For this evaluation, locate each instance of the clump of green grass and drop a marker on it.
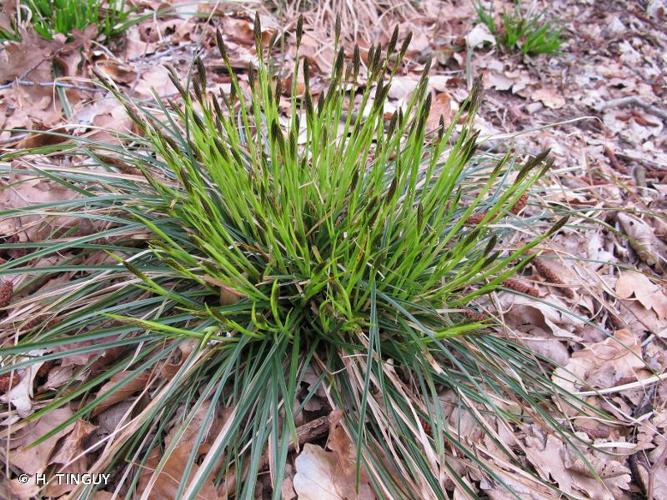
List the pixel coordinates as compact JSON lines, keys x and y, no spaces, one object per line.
{"x":50,"y":17}
{"x":531,"y":34}
{"x":329,"y":240}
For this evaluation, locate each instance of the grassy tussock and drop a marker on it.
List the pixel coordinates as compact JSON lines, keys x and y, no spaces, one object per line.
{"x":331,"y":240}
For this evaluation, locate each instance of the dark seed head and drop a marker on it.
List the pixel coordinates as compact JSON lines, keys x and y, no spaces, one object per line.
{"x":393,"y":41}
{"x":405,"y":44}
{"x":299,"y":30}
{"x":257,"y":28}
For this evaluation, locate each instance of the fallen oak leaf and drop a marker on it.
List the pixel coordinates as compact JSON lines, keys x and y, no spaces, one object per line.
{"x":122,"y":393}
{"x":170,"y":477}
{"x":603,"y":364}
{"x":20,"y":395}
{"x":41,"y":137}
{"x":549,"y":96}
{"x":646,"y":292}
{"x":331,"y":474}
{"x":33,"y":460}
{"x":73,"y":443}
{"x":440,"y":112}
{"x":641,"y":238}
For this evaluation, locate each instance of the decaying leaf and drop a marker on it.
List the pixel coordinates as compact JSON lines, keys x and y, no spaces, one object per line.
{"x":604,"y":364}
{"x":125,"y":391}
{"x":35,"y":459}
{"x":20,"y":395}
{"x":480,"y":35}
{"x":167,"y":482}
{"x":641,"y":238}
{"x":330,"y":475}
{"x":574,"y":473}
{"x":647,"y":293}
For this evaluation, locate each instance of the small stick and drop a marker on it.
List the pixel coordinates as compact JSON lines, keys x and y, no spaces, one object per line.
{"x":633,"y":99}
{"x":625,"y":387}
{"x":29,"y":83}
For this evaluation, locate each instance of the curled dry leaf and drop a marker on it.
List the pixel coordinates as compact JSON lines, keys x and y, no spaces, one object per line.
{"x":642,"y":239}
{"x":440,"y":109}
{"x":167,"y":482}
{"x":35,"y":459}
{"x":528,"y":315}
{"x":556,"y":460}
{"x":603,"y":364}
{"x":330,"y":475}
{"x":117,"y":71}
{"x":20,"y":395}
{"x":647,"y":293}
{"x":25,"y":191}
{"x":122,"y":393}
{"x":480,"y":35}
{"x":549,"y":96}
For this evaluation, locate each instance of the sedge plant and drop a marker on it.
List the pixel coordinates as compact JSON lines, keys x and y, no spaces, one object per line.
{"x":51,"y":17}
{"x":531,"y":34}
{"x":328,"y":241}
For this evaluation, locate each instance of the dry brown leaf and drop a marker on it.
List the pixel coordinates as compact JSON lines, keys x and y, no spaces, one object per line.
{"x":641,"y":237}
{"x":318,"y":477}
{"x":330,"y":475}
{"x":20,"y":395}
{"x":9,"y":381}
{"x":102,"y":495}
{"x":615,"y":476}
{"x":73,"y":443}
{"x":522,"y":487}
{"x":555,"y":460}
{"x":603,"y":364}
{"x":171,"y":476}
{"x":402,"y":86}
{"x":126,"y":391}
{"x":480,"y":35}
{"x":44,"y":138}
{"x":441,"y":108}
{"x":25,"y":191}
{"x":155,"y":79}
{"x":29,"y":57}
{"x":23,"y":491}
{"x":7,"y":15}
{"x":647,"y":293}
{"x":528,"y":315}
{"x":59,"y":376}
{"x":546,"y":456}
{"x":35,"y":459}
{"x":287,"y":487}
{"x":117,"y":71}
{"x":549,"y":96}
